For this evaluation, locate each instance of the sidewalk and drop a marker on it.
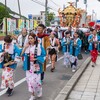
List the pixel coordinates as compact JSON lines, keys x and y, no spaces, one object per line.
{"x":88,"y":87}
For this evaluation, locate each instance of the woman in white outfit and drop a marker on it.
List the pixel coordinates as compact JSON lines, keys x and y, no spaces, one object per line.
{"x":34,"y":57}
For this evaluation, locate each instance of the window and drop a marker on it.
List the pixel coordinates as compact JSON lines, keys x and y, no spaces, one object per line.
{"x":34,"y":18}
{"x":39,"y":18}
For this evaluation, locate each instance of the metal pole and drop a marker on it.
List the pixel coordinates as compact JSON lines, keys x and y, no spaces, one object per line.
{"x":19,"y":8}
{"x":76,"y":3}
{"x":6,"y":16}
{"x":46,"y":9}
{"x":63,"y":6}
{"x":86,"y":14}
{"x":92,"y":15}
{"x":96,"y":18}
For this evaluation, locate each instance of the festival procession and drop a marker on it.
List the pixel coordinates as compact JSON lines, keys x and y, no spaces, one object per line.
{"x":49,"y":50}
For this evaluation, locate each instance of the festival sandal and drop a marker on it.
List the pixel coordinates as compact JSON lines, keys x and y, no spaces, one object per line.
{"x":10,"y":92}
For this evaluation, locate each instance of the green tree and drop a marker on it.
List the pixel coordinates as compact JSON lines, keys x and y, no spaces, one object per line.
{"x":3,"y":13}
{"x":50,"y":17}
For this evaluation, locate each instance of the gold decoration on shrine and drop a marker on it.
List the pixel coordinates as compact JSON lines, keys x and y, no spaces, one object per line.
{"x":70,"y":16}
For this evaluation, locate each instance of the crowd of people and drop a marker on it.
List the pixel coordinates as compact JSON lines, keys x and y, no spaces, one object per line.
{"x":36,"y":47}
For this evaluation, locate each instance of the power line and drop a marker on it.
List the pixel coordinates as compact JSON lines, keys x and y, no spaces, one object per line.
{"x":55,"y":3}
{"x":38,"y":2}
{"x":50,"y":7}
{"x":42,"y":4}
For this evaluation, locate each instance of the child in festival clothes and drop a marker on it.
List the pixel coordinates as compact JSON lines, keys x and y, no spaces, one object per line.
{"x":34,"y":57}
{"x":66,"y":43}
{"x":75,"y":51}
{"x":9,"y":52}
{"x":94,"y":41}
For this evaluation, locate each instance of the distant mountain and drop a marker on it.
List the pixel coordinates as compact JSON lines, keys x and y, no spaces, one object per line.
{"x":12,"y":12}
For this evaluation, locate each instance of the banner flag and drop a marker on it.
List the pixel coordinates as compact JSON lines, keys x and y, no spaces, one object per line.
{"x":31,"y":24}
{"x":35,"y":23}
{"x":27,"y":24}
{"x":21,"y":23}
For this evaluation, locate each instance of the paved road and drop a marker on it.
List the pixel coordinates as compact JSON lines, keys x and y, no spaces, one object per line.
{"x":53,"y":82}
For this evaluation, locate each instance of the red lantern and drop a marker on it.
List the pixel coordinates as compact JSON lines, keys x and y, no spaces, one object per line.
{"x":91,"y":24}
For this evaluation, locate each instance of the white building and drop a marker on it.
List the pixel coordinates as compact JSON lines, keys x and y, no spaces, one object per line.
{"x":40,"y":18}
{"x":43,"y":17}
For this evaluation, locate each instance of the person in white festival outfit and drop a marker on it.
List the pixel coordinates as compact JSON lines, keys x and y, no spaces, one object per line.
{"x":34,"y":57}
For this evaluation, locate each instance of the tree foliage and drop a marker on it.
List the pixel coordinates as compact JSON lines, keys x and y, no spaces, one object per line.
{"x":50,"y":17}
{"x":3,"y":13}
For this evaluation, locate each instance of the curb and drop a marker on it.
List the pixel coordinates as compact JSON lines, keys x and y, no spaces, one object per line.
{"x":64,"y":93}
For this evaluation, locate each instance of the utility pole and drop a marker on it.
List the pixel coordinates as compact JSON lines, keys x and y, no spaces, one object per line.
{"x":19,"y":8}
{"x":92,"y":15}
{"x":85,"y":2}
{"x":46,"y":9}
{"x":63,"y":6}
{"x":6,"y":16}
{"x":76,"y":3}
{"x":86,"y":13}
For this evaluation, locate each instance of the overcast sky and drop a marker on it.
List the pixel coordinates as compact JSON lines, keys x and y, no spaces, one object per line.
{"x":29,"y":7}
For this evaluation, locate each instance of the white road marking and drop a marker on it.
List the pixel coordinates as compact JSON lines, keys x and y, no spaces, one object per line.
{"x":23,"y":80}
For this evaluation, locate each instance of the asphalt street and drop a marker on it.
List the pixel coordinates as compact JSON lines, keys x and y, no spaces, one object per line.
{"x":52,"y":85}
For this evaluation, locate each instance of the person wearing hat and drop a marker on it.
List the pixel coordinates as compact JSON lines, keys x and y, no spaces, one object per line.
{"x":66,"y":43}
{"x":94,"y":41}
{"x":75,"y":50}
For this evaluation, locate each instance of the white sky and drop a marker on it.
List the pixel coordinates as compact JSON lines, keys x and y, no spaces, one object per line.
{"x":29,"y":7}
